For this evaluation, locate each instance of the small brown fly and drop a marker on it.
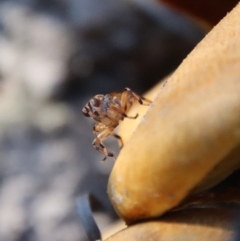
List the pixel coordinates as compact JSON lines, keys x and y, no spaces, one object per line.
{"x":108,"y":110}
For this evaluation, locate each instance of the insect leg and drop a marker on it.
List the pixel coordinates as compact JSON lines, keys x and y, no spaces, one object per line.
{"x":119,"y":138}
{"x":139,"y":98}
{"x":102,"y":149}
{"x":130,"y":117}
{"x":99,"y":146}
{"x":119,"y":111}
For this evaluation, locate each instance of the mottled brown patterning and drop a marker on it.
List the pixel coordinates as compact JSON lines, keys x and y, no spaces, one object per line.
{"x":108,"y":110}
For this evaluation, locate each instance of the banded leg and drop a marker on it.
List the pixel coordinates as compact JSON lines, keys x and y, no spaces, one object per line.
{"x":119,"y":111}
{"x":139,"y":98}
{"x":102,"y":149}
{"x":99,"y":146}
{"x":119,"y":138}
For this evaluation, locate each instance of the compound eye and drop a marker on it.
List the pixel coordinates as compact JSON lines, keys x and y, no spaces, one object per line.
{"x":95,"y":102}
{"x":85,"y":111}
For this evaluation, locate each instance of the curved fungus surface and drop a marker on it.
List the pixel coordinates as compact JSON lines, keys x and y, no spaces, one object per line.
{"x":192,"y":126}
{"x":215,"y":224}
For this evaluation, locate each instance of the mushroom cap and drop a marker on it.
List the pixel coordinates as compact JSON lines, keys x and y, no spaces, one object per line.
{"x":189,"y":139}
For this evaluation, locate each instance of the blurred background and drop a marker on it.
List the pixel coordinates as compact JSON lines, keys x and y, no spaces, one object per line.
{"x":54,"y":56}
